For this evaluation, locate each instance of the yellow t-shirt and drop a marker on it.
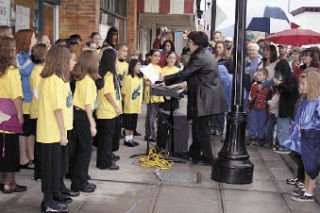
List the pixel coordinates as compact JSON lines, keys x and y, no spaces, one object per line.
{"x":52,"y":96}
{"x":105,"y":109}
{"x":132,"y":88}
{"x":85,"y":93}
{"x":154,"y":99}
{"x":35,"y":78}
{"x":169,"y":71}
{"x":122,"y":70}
{"x":68,"y":116}
{"x":26,"y":108}
{"x":10,"y":85}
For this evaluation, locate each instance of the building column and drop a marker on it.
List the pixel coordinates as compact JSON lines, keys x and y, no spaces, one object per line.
{"x":132,"y":24}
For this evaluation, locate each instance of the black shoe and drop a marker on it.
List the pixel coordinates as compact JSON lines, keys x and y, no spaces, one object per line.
{"x":153,"y":139}
{"x":115,"y":157}
{"x":62,"y":199}
{"x":54,"y":207}
{"x":135,"y":143}
{"x":129,"y":143}
{"x":89,"y":188}
{"x":135,"y":133}
{"x":112,"y":167}
{"x":68,"y":175}
{"x":70,"y":193}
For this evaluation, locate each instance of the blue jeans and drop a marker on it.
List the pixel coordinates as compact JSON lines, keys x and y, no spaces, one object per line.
{"x":310,"y":151}
{"x":283,"y":129}
{"x":269,"y":131}
{"x":217,"y":122}
{"x":258,"y":119}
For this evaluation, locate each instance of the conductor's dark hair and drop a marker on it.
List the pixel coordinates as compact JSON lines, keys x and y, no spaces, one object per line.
{"x":199,"y":38}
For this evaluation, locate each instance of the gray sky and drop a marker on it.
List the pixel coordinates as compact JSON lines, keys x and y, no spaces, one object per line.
{"x":255,"y":7}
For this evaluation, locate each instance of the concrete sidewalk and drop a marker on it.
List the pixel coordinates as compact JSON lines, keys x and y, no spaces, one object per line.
{"x":117,"y":191}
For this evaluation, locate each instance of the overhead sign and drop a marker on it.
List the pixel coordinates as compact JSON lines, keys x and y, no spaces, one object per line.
{"x":4,"y":12}
{"x":22,"y":18}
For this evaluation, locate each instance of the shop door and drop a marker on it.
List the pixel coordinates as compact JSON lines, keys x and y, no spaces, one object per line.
{"x":50,"y":19}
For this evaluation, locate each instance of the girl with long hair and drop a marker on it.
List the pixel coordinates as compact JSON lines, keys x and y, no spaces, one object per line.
{"x":11,"y":117}
{"x":132,"y":90}
{"x":85,"y":74}
{"x":152,"y":101}
{"x":108,"y":111}
{"x":307,"y":120}
{"x":25,"y":40}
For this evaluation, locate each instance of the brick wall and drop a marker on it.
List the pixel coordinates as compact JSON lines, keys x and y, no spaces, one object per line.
{"x":132,"y":24}
{"x":79,"y":17}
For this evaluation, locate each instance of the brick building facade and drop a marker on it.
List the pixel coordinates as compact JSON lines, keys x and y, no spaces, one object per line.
{"x":61,"y":18}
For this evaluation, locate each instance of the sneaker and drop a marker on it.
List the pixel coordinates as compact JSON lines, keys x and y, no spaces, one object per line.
{"x":303,"y":198}
{"x":300,"y":184}
{"x":54,"y":207}
{"x":298,"y":192}
{"x":251,"y":141}
{"x":218,"y":133}
{"x":283,"y":151}
{"x":292,"y":181}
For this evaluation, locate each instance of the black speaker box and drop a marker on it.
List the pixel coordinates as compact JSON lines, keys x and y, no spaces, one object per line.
{"x":180,"y":132}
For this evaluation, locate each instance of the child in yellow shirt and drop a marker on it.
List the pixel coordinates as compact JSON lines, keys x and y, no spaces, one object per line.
{"x":131,"y":91}
{"x":152,"y":101}
{"x":170,"y":69}
{"x":11,"y":116}
{"x":38,"y":54}
{"x":51,"y":131}
{"x":108,"y":111}
{"x":85,"y":74}
{"x":122,"y":66}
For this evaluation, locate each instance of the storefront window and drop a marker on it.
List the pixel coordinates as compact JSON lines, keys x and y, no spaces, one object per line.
{"x":116,"y":6}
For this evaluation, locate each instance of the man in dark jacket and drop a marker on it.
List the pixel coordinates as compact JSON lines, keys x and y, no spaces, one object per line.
{"x":205,"y":95}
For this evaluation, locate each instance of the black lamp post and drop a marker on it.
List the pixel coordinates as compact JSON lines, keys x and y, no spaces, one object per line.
{"x":233,"y":165}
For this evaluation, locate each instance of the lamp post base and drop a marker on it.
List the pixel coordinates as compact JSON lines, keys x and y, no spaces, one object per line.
{"x":232,"y":171}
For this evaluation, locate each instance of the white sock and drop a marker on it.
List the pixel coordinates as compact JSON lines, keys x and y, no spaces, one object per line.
{"x":127,"y":138}
{"x":306,"y":194}
{"x":131,"y":137}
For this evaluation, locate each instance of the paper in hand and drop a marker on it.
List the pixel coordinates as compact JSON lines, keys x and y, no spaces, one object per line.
{"x":149,"y":72}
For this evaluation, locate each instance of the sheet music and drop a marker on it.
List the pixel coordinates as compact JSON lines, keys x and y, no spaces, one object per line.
{"x":150,"y":73}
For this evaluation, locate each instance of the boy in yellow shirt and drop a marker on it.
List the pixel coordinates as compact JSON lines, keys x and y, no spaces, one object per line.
{"x":131,"y":91}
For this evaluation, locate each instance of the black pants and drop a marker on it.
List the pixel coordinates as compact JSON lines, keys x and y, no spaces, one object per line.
{"x":51,"y":170}
{"x":109,"y":135}
{"x":82,"y":142}
{"x":201,"y":139}
{"x":64,"y":167}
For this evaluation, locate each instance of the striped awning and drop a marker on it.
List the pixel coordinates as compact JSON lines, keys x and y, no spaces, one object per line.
{"x":166,"y":6}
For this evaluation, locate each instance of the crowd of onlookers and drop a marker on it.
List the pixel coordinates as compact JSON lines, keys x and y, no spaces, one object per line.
{"x":281,"y":96}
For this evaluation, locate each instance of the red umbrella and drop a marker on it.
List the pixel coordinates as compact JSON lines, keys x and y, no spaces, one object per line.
{"x":295,"y":37}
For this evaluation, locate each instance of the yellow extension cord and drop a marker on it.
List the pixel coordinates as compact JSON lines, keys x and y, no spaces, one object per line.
{"x":155,"y":160}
